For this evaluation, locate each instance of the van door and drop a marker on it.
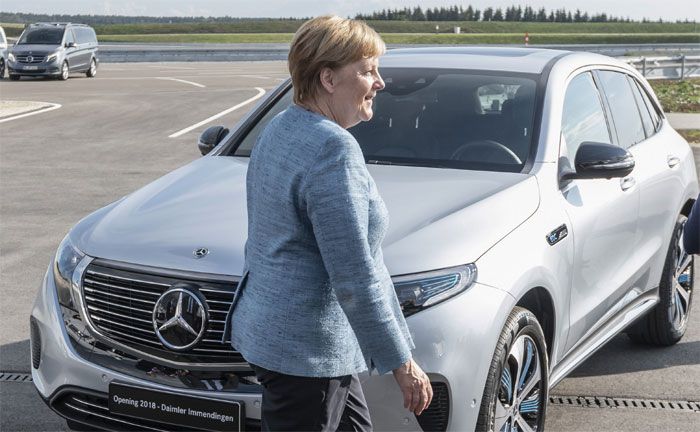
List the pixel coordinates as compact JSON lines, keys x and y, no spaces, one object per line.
{"x":72,"y":53}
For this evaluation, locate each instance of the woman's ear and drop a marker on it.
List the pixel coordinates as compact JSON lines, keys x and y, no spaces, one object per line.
{"x":327,"y":79}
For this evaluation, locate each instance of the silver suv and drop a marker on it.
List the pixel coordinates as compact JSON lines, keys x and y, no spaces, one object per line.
{"x":537,"y":200}
{"x":54,"y":49}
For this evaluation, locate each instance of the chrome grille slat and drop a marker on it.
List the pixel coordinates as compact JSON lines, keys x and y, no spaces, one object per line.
{"x":84,"y":402}
{"x":118,"y":315}
{"x":152,"y":303}
{"x":91,"y":281}
{"x":120,"y":303}
{"x":92,"y":272}
{"x":98,"y":318}
{"x":35,"y":59}
{"x":147,"y":312}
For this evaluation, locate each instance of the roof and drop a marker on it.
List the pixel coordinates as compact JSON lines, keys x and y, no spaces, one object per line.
{"x":523,"y":60}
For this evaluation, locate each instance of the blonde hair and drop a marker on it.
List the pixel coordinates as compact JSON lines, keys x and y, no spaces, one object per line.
{"x":328,"y":41}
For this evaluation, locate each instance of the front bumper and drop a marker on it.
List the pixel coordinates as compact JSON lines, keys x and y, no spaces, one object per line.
{"x":455,"y":341}
{"x":38,"y":69}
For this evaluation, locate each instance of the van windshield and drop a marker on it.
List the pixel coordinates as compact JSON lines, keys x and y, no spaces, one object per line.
{"x":42,"y":36}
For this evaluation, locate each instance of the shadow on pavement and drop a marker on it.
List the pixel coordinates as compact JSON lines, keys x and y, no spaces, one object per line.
{"x":14,"y":357}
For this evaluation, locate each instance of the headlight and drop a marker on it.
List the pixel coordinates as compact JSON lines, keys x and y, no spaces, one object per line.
{"x":11,"y":57}
{"x":421,"y":290}
{"x":51,"y":58}
{"x":67,"y":259}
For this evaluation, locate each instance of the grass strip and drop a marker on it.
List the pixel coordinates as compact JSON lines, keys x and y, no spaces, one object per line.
{"x":678,"y":96}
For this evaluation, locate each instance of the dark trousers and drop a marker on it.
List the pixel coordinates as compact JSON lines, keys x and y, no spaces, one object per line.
{"x":292,"y":403}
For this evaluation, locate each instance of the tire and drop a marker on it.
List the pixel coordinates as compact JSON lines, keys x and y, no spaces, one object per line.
{"x":2,"y":69}
{"x":666,"y":324}
{"x":92,"y":71}
{"x":65,"y":71}
{"x":508,"y":402}
{"x":14,"y":77}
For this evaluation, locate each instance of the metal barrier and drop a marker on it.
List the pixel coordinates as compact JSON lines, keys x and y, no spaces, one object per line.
{"x":677,"y":67}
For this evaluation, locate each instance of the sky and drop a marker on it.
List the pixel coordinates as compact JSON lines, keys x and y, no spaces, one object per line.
{"x":669,"y":10}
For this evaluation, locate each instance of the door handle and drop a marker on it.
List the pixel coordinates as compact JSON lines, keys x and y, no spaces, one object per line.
{"x":627,"y":183}
{"x":672,"y":161}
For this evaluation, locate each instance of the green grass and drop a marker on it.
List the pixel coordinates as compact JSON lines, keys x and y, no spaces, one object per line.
{"x":418,"y":38}
{"x":690,"y":135}
{"x":678,"y":96}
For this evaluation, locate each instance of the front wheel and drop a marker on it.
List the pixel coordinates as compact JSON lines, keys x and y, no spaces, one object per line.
{"x":2,"y":69}
{"x":93,"y":69}
{"x":517,"y":386}
{"x":666,"y":323}
{"x":64,"y":71}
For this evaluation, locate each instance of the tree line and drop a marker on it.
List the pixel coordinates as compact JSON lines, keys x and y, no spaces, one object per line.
{"x":513,"y":13}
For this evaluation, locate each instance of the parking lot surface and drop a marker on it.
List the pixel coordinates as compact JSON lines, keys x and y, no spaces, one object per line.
{"x":135,"y":122}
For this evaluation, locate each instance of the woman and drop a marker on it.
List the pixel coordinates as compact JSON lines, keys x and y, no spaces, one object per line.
{"x":691,"y":232}
{"x":317,"y":305}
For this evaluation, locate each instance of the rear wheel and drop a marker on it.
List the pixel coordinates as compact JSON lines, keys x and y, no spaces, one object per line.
{"x":64,"y":71}
{"x":2,"y":69}
{"x":666,"y":323}
{"x":92,"y":71}
{"x":515,"y":395}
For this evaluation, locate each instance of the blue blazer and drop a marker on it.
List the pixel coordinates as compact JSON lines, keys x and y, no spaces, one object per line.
{"x":316,"y":299}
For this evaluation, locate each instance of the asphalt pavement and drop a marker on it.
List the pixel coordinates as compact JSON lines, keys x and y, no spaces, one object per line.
{"x":112,"y":135}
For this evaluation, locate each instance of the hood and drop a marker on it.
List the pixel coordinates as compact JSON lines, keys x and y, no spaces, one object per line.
{"x":439,"y":217}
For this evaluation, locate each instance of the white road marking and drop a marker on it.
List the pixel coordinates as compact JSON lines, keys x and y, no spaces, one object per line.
{"x":221,"y":114}
{"x":43,"y":110}
{"x":182,"y":81}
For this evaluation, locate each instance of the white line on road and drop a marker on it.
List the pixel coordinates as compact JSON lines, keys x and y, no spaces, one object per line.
{"x":182,"y":81}
{"x":52,"y":107}
{"x":221,"y":114}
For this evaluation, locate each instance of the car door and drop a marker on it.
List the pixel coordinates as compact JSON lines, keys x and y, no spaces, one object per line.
{"x":602,"y":212}
{"x":72,"y":53}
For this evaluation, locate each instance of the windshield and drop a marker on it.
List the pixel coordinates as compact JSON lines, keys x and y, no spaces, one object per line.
{"x":443,"y":119}
{"x":43,"y":36}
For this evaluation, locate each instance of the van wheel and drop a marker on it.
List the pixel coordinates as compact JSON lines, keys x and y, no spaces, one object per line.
{"x":93,"y":69}
{"x":517,"y":386}
{"x":2,"y":69}
{"x":64,"y":71}
{"x":666,"y":323}
{"x":14,"y":77}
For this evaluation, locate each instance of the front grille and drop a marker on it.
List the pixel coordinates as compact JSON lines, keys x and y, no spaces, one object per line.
{"x":35,"y":338}
{"x":29,"y":59}
{"x":91,"y":408}
{"x":119,"y":300}
{"x":436,"y":416}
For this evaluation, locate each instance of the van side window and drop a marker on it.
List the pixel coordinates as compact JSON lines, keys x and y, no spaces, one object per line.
{"x":651,"y":106}
{"x":625,"y":114}
{"x":583,"y":118}
{"x":69,"y":36}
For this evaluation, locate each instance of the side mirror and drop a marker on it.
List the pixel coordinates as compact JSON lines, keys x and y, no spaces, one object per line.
{"x":70,"y":44}
{"x":210,"y":138}
{"x":598,"y":160}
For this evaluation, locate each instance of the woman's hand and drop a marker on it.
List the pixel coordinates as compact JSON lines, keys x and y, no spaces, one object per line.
{"x":415,"y":386}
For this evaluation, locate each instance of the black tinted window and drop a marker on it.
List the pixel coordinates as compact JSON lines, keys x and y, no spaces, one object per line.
{"x":583,"y":118}
{"x":647,"y":121}
{"x":48,"y":36}
{"x":443,"y":118}
{"x":628,"y":123}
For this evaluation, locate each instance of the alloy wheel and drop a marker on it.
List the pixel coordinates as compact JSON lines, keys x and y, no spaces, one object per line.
{"x":682,"y":285}
{"x":64,"y":71}
{"x":518,"y":403}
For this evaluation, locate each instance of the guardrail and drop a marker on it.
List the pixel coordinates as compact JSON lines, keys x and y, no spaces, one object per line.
{"x":677,"y":67}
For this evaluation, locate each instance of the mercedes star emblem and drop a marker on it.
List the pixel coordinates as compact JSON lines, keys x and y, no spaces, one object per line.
{"x":200,"y":252}
{"x":180,"y":317}
{"x":30,"y":59}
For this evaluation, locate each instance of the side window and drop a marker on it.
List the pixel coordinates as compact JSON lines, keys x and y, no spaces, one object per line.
{"x":647,"y":122}
{"x":651,"y":106}
{"x":628,"y":123}
{"x":583,"y":118}
{"x":93,"y":36}
{"x":69,"y":36}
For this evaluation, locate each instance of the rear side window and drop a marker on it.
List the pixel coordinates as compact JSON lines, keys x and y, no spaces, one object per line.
{"x":647,"y":121}
{"x":653,"y":111}
{"x":583,"y":118}
{"x":625,"y":114}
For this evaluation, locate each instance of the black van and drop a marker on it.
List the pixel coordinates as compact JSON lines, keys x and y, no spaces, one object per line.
{"x":54,"y":49}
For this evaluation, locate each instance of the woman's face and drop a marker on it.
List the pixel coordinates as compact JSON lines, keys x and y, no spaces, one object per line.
{"x":354,"y":87}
